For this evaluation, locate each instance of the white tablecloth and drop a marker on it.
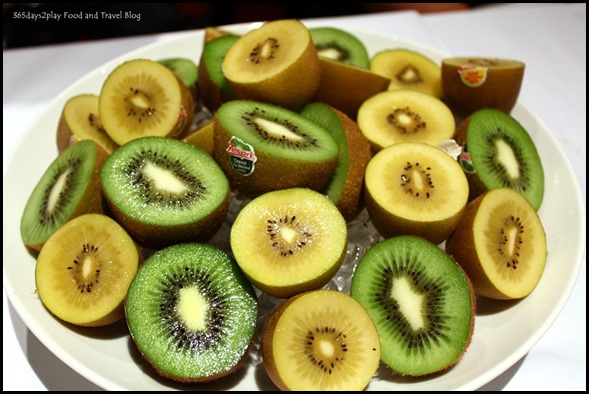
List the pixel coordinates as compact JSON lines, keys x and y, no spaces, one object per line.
{"x":550,"y":39}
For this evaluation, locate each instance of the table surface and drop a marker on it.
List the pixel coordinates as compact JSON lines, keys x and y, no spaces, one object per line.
{"x":549,"y":38}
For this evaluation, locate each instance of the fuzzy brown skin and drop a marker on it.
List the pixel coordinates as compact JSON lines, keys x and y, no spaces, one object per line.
{"x":351,"y":201}
{"x":500,"y":90}
{"x":339,"y":80}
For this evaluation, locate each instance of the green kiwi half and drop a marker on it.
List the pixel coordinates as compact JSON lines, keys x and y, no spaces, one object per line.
{"x":339,"y":45}
{"x":165,"y":191}
{"x":68,"y":188}
{"x":191,"y":313}
{"x":499,"y":152}
{"x":420,"y":300}
{"x":263,"y":147}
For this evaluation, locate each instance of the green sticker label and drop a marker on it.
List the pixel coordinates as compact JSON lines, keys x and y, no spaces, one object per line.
{"x":242,"y":156}
{"x":466,"y":161}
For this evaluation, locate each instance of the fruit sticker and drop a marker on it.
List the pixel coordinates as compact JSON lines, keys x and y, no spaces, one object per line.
{"x":473,"y":76}
{"x":466,"y":161}
{"x":241,"y":156}
{"x":181,"y":122}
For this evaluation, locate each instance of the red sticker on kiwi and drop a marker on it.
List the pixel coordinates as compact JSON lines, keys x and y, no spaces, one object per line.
{"x":473,"y":76}
{"x":242,"y":156}
{"x":466,"y":162}
{"x":181,"y":122}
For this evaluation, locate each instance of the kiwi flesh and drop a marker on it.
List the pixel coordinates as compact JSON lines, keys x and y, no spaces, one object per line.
{"x":214,"y":89}
{"x":165,"y":191}
{"x":339,"y":79}
{"x":421,"y":301}
{"x":497,"y":151}
{"x":79,"y":120}
{"x":501,"y":244}
{"x":191,"y":313}
{"x":340,"y":45}
{"x":471,"y":83}
{"x":408,"y":69}
{"x":69,"y":187}
{"x":263,"y":147}
{"x":345,"y":187}
{"x":275,"y":63}
{"x":405,"y":115}
{"x":84,"y":270}
{"x":322,"y":340}
{"x":141,"y":98}
{"x":415,"y":188}
{"x":289,"y":241}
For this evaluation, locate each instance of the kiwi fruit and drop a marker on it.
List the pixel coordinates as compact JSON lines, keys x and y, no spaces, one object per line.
{"x":339,"y":79}
{"x":263,"y":147}
{"x":408,"y":69}
{"x":214,"y":89}
{"x":191,"y":313}
{"x":340,"y":45}
{"x":202,"y":137}
{"x":475,"y":82}
{"x":275,"y":63}
{"x":321,"y":340}
{"x":142,"y":98}
{"x":165,"y":191}
{"x":345,"y":188}
{"x":421,"y":301}
{"x":84,"y":270}
{"x":186,"y":70}
{"x":69,"y":187}
{"x":289,"y":241}
{"x":415,"y":189}
{"x":499,"y":152}
{"x":405,"y":115}
{"x":501,"y":244}
{"x":79,"y":120}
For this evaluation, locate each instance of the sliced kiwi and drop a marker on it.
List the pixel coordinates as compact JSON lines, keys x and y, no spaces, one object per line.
{"x":340,"y":45}
{"x":289,"y":241}
{"x":68,"y":188}
{"x":142,"y":97}
{"x":471,"y":83}
{"x":499,"y":152}
{"x":165,"y":191}
{"x":421,"y":302}
{"x":405,"y":115}
{"x":79,"y":120}
{"x":84,"y":270}
{"x":345,"y":188}
{"x":191,"y":313}
{"x":214,"y":89}
{"x":501,"y":244}
{"x":322,"y":340}
{"x":275,"y":63}
{"x":264,"y":147}
{"x":415,"y":188}
{"x":408,"y":69}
